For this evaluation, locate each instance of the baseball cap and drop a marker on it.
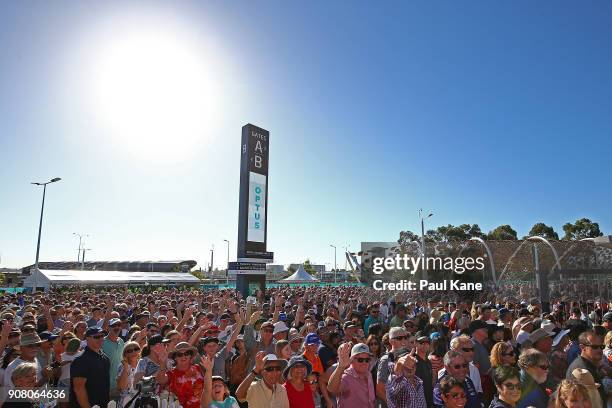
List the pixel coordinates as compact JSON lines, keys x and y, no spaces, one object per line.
{"x":157,"y":339}
{"x":113,"y":321}
{"x":48,"y":336}
{"x":92,"y":331}
{"x":312,"y":338}
{"x":271,"y":358}
{"x":360,"y":348}
{"x":559,"y":337}
{"x":209,"y":339}
{"x":607,"y":317}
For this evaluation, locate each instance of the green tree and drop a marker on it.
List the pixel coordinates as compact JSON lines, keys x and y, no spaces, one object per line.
{"x":406,"y":237}
{"x":291,"y":270}
{"x":198,"y":274}
{"x":309,"y":268}
{"x":542,"y":230}
{"x":582,"y":228}
{"x":503,"y":232}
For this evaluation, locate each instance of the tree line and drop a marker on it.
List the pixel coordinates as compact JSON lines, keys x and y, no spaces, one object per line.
{"x":582,"y":228}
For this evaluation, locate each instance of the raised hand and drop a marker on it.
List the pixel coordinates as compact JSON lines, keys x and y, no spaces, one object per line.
{"x":254,"y":317}
{"x":259,"y":361}
{"x":344,"y":355}
{"x":207,"y":363}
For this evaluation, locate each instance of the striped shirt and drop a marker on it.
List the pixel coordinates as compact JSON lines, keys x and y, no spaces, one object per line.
{"x":402,"y":393}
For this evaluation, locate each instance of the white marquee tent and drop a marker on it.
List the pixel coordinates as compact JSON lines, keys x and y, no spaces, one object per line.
{"x":300,"y":276}
{"x":46,"y":278}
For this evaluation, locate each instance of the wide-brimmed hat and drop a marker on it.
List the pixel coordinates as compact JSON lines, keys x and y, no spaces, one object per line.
{"x":584,"y":377}
{"x":538,"y":335}
{"x":29,"y":339}
{"x":295,"y":360}
{"x":559,"y":337}
{"x":183,"y":347}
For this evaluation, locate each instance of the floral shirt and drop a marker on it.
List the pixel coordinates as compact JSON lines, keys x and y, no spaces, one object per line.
{"x":187,"y":386}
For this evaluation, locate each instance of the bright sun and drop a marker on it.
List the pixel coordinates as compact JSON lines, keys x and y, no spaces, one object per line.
{"x":153,"y":90}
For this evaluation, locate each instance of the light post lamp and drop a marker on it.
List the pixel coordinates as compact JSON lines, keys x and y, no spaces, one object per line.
{"x":345,"y":261}
{"x":423,"y":241}
{"x":227,"y":269}
{"x":42,"y":209}
{"x":335,"y":264}
{"x":80,"y":241}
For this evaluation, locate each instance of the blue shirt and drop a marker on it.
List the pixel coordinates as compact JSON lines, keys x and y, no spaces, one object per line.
{"x":473,"y":400}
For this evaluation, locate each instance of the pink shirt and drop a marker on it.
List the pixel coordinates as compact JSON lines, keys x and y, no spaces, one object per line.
{"x":356,"y":391}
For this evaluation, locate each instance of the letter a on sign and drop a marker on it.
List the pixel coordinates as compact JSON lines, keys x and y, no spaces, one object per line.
{"x":258,"y":147}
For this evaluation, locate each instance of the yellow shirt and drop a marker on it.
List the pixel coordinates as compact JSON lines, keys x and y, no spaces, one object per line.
{"x":260,"y":396}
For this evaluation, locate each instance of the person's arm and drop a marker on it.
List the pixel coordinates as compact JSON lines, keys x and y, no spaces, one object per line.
{"x":184,"y":320}
{"x":198,"y":333}
{"x":243,"y":388}
{"x":107,"y":315}
{"x":80,"y":391}
{"x":6,"y":330}
{"x":335,"y":380}
{"x":235,"y":331}
{"x":123,"y":378}
{"x":50,"y":323}
{"x":249,"y":331}
{"x":207,"y":364}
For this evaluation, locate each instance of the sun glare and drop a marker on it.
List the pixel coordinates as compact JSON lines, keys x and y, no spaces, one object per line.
{"x":153,"y":90}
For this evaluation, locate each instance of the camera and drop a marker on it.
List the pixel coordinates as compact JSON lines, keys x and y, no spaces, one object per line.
{"x":145,"y":396}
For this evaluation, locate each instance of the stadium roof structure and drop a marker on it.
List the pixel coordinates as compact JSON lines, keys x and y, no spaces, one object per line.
{"x":300,"y":276}
{"x":181,"y":265}
{"x":46,"y":278}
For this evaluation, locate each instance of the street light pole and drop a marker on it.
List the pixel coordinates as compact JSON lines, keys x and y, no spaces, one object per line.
{"x":335,"y":264}
{"x":345,"y":262}
{"x":80,"y":241}
{"x":227,"y":269}
{"x":423,"y":241}
{"x":42,"y":209}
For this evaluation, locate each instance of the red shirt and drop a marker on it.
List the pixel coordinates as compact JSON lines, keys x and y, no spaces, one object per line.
{"x":187,"y":386}
{"x":299,"y":399}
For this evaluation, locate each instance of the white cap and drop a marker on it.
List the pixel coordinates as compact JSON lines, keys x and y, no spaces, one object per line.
{"x":548,"y":326}
{"x":559,"y":337}
{"x":280,"y":327}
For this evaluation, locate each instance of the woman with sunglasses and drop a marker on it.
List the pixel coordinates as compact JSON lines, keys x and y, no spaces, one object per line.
{"x":534,"y":371}
{"x":186,"y":379}
{"x":452,"y":392}
{"x":502,"y":354}
{"x":127,"y":369}
{"x":508,"y":383}
{"x":298,"y":392}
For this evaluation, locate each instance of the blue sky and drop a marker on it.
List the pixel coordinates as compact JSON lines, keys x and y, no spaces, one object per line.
{"x":482,"y":112}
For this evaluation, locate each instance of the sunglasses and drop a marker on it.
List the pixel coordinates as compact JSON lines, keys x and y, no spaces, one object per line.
{"x":595,"y":346}
{"x":456,"y":395}
{"x":132,"y":350}
{"x":363,"y":360}
{"x":32,"y":346}
{"x":400,"y":338}
{"x":512,"y":387}
{"x":98,"y":336}
{"x":186,"y":354}
{"x":273,"y":368}
{"x":313,"y":382}
{"x":467,"y":349}
{"x":460,"y":366}
{"x":543,"y":367}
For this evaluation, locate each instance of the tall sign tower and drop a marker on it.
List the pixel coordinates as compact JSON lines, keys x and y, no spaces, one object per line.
{"x":252,"y":254}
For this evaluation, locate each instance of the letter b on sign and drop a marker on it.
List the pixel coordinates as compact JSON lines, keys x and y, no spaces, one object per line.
{"x":258,"y":161}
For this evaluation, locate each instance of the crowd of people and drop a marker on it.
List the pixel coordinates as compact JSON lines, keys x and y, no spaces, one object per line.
{"x":303,"y":347}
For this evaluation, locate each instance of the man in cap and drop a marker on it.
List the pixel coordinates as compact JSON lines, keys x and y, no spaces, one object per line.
{"x":211,"y":348}
{"x":398,"y":338}
{"x":29,"y":346}
{"x":113,"y":348}
{"x":479,"y":331}
{"x":264,"y":344}
{"x":45,"y":353}
{"x":90,"y":373}
{"x":541,"y":340}
{"x":351,"y":381}
{"x":423,"y":367}
{"x":405,"y":388}
{"x":607,"y":321}
{"x":268,"y":391}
